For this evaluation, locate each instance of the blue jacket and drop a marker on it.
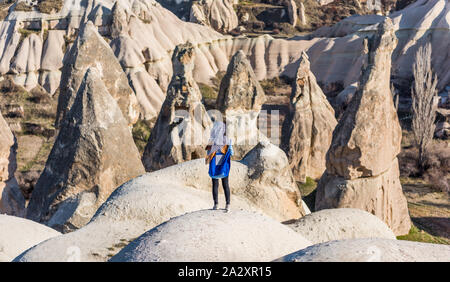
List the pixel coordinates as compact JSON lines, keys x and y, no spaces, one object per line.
{"x":219,"y":167}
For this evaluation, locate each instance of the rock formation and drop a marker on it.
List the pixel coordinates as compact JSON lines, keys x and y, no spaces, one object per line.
{"x":218,"y":14}
{"x":362,"y":167}
{"x":371,"y":250}
{"x":324,"y":2}
{"x":371,"y":6}
{"x":265,"y":184}
{"x":91,"y":50}
{"x":27,"y":60}
{"x":182,"y":129}
{"x":240,"y":99}
{"x":365,"y":148}
{"x":153,"y":32}
{"x":12,"y":201}
{"x":301,"y":14}
{"x":292,"y":11}
{"x":442,"y":130}
{"x":133,"y":58}
{"x":308,"y":128}
{"x":199,"y":236}
{"x":339,"y":224}
{"x":52,"y":61}
{"x":124,"y":217}
{"x":19,"y":234}
{"x":271,"y":185}
{"x":263,"y":178}
{"x":344,"y":98}
{"x":375,"y":6}
{"x":87,"y":161}
{"x":419,"y":23}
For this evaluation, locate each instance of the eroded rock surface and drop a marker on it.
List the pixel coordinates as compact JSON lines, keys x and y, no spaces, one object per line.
{"x":12,"y":201}
{"x":371,"y":250}
{"x":239,"y":100}
{"x":199,"y":236}
{"x":91,"y":50}
{"x":264,"y":183}
{"x":182,"y":129}
{"x":19,"y":234}
{"x":218,"y":14}
{"x":339,"y":224}
{"x":308,"y":128}
{"x":93,"y":154}
{"x":362,"y":166}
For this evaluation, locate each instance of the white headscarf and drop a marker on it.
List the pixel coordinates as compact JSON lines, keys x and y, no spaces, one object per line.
{"x":218,"y":137}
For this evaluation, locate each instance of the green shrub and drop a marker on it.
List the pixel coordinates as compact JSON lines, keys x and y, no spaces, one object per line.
{"x":417,"y":235}
{"x":308,"y":187}
{"x":141,"y":133}
{"x":207,"y":91}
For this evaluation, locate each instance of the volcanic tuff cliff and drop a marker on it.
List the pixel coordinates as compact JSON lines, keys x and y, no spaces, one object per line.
{"x":309,"y":126}
{"x":182,"y":129}
{"x":362,"y":166}
{"x":240,"y":100}
{"x":12,"y":201}
{"x":32,"y":45}
{"x":86,"y":163}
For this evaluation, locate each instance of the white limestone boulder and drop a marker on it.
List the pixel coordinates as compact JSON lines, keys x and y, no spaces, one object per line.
{"x":338,"y":224}
{"x":19,"y":234}
{"x":371,"y":250}
{"x":212,"y":235}
{"x":258,"y":184}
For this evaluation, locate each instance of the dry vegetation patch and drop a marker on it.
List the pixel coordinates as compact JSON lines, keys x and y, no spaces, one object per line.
{"x":43,"y":6}
{"x":141,"y":132}
{"x":436,"y":170}
{"x":50,"y":6}
{"x":429,"y":210}
{"x":427,"y":190}
{"x":31,"y":116}
{"x":4,"y":8}
{"x":23,"y":7}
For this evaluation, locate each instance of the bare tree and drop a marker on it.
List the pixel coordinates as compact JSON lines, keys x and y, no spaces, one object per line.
{"x":424,"y":102}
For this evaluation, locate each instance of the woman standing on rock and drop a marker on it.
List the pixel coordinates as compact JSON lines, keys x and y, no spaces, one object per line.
{"x":219,"y":152}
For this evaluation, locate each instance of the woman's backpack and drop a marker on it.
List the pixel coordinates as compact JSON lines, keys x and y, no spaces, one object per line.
{"x":220,"y":167}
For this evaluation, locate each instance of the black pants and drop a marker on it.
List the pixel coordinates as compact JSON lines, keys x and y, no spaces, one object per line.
{"x":226,"y":190}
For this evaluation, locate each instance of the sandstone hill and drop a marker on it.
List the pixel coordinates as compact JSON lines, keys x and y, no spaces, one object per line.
{"x":309,"y":126}
{"x":371,"y":250}
{"x":218,"y":14}
{"x":12,"y":201}
{"x":362,"y":166}
{"x":339,"y":224}
{"x":85,"y":165}
{"x":91,"y":50}
{"x":415,"y":25}
{"x":240,"y":99}
{"x":183,"y":126}
{"x":261,"y":183}
{"x":19,"y":234}
{"x":210,"y":235}
{"x":118,"y":66}
{"x":143,"y":35}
